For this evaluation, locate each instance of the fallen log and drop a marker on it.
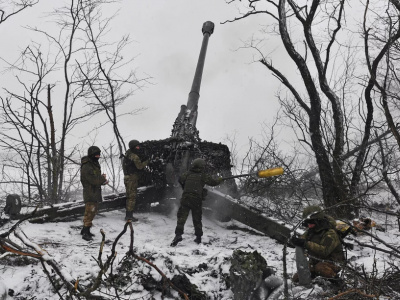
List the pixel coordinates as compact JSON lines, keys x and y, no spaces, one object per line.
{"x":74,"y":210}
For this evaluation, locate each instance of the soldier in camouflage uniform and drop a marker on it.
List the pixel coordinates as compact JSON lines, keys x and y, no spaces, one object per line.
{"x":321,"y":240}
{"x":193,"y":183}
{"x":92,"y":180}
{"x":133,"y":165}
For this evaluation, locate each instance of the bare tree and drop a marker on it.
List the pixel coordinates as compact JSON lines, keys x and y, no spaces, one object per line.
{"x":103,"y":70}
{"x":311,"y":34}
{"x":381,"y":38}
{"x":92,"y":83}
{"x":284,"y":195}
{"x":14,"y":7}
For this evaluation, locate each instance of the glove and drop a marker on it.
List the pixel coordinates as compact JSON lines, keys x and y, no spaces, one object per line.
{"x":297,"y":242}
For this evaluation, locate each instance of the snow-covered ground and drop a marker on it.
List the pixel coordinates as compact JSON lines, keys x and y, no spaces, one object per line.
{"x":153,"y":234}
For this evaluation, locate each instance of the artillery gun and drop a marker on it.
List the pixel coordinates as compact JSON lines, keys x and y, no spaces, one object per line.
{"x":170,"y":158}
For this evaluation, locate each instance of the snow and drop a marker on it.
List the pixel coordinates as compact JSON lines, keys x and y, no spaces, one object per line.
{"x":153,"y":234}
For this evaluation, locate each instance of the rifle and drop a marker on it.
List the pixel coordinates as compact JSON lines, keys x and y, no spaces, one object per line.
{"x":260,"y":174}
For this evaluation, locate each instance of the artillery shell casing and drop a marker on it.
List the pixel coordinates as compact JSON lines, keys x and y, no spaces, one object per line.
{"x":270,"y":172}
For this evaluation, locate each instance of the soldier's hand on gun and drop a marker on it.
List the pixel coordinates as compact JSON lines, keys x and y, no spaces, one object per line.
{"x":295,"y":241}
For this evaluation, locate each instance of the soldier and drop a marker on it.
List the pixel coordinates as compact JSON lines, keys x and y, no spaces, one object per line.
{"x":323,"y":243}
{"x":133,"y":164}
{"x":92,"y":180}
{"x":193,"y":194}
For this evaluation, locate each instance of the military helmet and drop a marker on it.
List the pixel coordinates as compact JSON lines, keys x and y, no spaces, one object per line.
{"x":93,"y":150}
{"x":313,"y":212}
{"x":133,"y":144}
{"x":199,"y":163}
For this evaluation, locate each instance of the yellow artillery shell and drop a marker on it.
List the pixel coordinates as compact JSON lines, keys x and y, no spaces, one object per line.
{"x":270,"y":172}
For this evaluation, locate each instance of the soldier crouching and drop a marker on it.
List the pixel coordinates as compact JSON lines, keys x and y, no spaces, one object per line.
{"x":321,"y":240}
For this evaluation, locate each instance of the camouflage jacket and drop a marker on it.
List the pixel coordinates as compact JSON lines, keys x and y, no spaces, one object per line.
{"x":132,"y":163}
{"x":91,"y":180}
{"x":193,"y":182}
{"x":323,"y":243}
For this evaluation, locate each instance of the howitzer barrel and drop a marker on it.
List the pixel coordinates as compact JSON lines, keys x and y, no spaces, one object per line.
{"x":185,"y":123}
{"x":194,"y":95}
{"x":184,"y":130}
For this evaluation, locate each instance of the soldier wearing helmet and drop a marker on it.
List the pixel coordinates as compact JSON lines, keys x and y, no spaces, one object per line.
{"x":92,"y":179}
{"x":193,"y":182}
{"x":132,"y":165}
{"x":321,"y":240}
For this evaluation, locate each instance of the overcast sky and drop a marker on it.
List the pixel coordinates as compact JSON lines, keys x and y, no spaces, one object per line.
{"x":236,"y":95}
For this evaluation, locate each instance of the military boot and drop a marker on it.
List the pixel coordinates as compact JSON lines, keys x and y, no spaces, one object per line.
{"x":91,"y":234}
{"x":129,"y":216}
{"x":197,"y":239}
{"x":176,"y":240}
{"x":86,"y":233}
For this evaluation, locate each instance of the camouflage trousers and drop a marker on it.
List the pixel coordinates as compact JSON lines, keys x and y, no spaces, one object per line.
{"x":324,"y":269}
{"x":131,"y":185}
{"x":90,"y":212}
{"x":187,"y":205}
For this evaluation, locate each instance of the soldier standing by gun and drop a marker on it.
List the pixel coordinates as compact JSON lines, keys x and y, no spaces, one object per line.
{"x":193,"y":183}
{"x":92,"y":180}
{"x":321,"y":240}
{"x":133,"y":164}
